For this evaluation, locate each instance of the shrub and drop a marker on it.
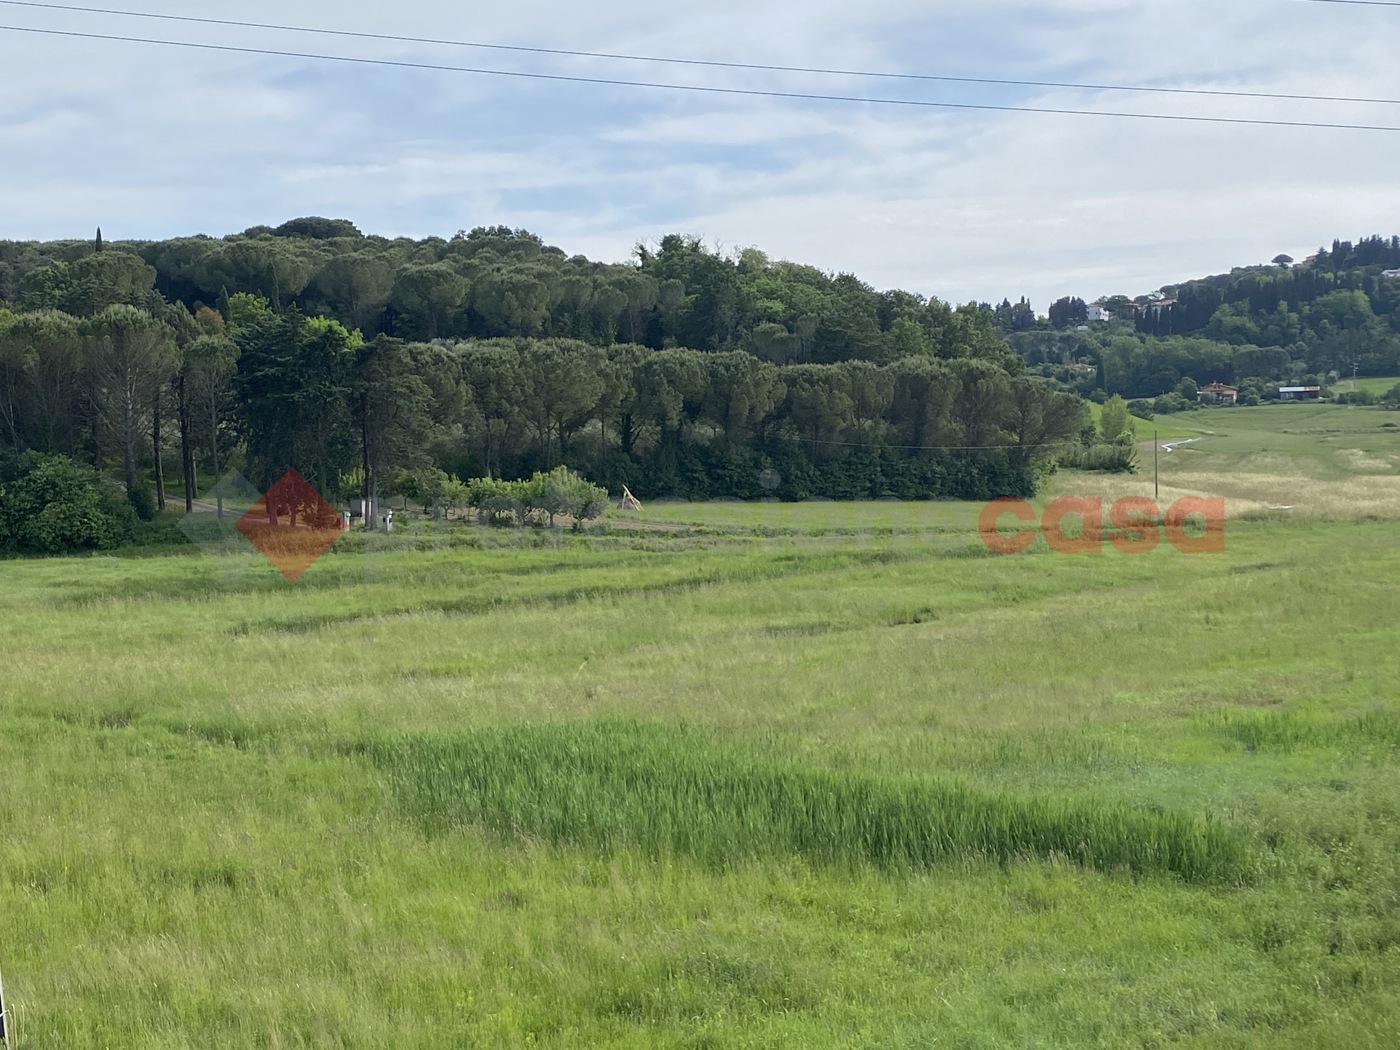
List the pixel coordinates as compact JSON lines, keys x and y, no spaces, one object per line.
{"x":1174,"y":402}
{"x":1110,"y":459}
{"x":52,"y":505}
{"x":142,"y":501}
{"x":161,"y":531}
{"x":1140,"y":407}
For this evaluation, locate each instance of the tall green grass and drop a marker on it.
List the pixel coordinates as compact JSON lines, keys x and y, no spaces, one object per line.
{"x":1284,"y":732}
{"x":614,"y":785}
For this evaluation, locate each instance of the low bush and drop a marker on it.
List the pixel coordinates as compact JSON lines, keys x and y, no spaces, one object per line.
{"x":52,"y":505}
{"x":1141,"y":407}
{"x":142,"y":501}
{"x":1174,"y":402}
{"x":1109,"y":459}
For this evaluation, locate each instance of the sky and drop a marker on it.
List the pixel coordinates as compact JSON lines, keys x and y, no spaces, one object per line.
{"x":150,"y":141}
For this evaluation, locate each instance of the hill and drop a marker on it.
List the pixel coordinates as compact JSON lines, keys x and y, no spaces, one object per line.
{"x":1331,"y":316}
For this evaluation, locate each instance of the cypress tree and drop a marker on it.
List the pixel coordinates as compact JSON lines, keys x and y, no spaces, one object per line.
{"x":97,"y":245}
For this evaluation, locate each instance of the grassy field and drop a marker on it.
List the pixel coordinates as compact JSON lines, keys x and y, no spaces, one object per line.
{"x":744,"y":776}
{"x":1375,"y":384}
{"x":1336,"y":461}
{"x":1318,"y":461}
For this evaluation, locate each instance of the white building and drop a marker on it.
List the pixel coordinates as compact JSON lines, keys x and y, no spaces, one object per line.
{"x":1098,"y":313}
{"x":1390,"y":273}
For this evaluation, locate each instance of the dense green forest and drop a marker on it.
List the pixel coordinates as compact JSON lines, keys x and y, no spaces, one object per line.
{"x":378,"y":366}
{"x":1307,"y":323}
{"x":498,"y":282}
{"x":375,"y":366}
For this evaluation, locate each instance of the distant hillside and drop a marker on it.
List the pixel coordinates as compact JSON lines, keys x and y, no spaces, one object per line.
{"x":1333,"y":314}
{"x":1275,"y":305}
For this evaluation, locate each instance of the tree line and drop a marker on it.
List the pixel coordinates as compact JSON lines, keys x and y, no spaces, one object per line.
{"x":502,"y":283}
{"x":918,"y":401}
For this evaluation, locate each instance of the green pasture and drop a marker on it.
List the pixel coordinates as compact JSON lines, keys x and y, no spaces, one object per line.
{"x":1318,"y":441}
{"x":1312,"y":460}
{"x":1377,"y":385}
{"x":734,"y":776}
{"x":810,"y":519}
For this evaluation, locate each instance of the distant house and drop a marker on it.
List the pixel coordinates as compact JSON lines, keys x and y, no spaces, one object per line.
{"x":1097,"y":312}
{"x":1299,"y":393}
{"x":1218,"y":394}
{"x":1390,"y":273}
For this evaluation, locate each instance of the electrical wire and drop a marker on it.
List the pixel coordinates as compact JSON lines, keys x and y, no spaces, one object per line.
{"x":760,"y":66}
{"x":703,"y":89}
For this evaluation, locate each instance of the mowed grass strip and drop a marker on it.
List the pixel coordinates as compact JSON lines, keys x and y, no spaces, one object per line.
{"x":613,"y":785}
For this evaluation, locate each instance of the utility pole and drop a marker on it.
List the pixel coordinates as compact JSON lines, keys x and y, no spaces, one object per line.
{"x":4,"y":1017}
{"x":1156,"y":480}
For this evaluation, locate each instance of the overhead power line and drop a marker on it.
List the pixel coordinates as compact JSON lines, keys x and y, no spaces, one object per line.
{"x":1358,"y":3}
{"x":708,"y":63}
{"x":704,"y":89}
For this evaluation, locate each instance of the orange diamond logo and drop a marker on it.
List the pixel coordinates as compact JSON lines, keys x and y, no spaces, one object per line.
{"x":291,"y":525}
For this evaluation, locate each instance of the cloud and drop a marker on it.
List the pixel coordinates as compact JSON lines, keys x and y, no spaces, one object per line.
{"x":151,"y":141}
